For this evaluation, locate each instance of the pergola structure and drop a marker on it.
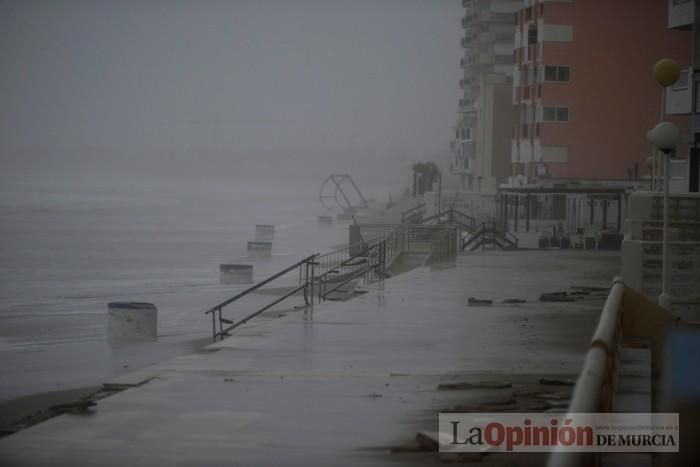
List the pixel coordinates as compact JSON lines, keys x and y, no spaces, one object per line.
{"x":510,"y":200}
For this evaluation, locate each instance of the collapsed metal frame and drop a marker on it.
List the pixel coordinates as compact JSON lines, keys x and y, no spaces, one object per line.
{"x":334,"y":184}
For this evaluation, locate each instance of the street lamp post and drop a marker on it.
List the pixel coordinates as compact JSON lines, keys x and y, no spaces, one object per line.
{"x":665,"y":136}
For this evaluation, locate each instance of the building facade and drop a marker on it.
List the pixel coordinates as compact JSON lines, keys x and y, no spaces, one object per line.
{"x":583,"y":91}
{"x":481,"y":158}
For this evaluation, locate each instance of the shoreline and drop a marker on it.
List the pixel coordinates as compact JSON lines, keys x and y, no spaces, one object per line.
{"x":25,"y":411}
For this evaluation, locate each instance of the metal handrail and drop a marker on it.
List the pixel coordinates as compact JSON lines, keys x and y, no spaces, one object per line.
{"x":596,"y":384}
{"x":216,"y":311}
{"x":414,"y":211}
{"x":491,"y":227}
{"x":258,"y":285}
{"x":374,"y":255}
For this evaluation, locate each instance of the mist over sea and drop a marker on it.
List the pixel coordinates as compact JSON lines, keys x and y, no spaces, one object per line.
{"x":72,"y":243}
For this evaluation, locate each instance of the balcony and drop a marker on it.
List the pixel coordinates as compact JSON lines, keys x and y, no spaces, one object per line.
{"x":486,"y":17}
{"x":463,"y":135}
{"x":681,"y":15}
{"x":468,"y":85}
{"x":468,"y":40}
{"x":467,"y":108}
{"x":678,"y":96}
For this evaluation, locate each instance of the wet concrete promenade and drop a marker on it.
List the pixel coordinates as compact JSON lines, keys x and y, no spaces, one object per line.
{"x":346,"y":382}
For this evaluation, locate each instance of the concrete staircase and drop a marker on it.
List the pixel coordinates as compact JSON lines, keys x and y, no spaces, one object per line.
{"x":407,"y":261}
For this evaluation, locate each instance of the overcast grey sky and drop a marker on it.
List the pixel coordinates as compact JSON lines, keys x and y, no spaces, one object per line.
{"x":135,"y":83}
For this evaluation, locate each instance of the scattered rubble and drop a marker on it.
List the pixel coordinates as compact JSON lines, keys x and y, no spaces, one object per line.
{"x":557,"y":382}
{"x":556,"y":297}
{"x":476,"y":385}
{"x":475,"y":301}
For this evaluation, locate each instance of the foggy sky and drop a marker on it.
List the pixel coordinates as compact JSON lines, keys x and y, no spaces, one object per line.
{"x":133,"y":84}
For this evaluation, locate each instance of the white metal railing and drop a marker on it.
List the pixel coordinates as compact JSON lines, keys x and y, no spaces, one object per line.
{"x":596,"y":384}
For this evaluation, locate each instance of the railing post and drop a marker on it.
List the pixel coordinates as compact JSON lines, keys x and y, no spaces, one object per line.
{"x":221,"y":324}
{"x":213,"y":327}
{"x":306,"y":281}
{"x":313,"y":270}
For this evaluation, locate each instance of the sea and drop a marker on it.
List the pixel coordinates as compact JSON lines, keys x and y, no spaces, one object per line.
{"x":69,"y":246}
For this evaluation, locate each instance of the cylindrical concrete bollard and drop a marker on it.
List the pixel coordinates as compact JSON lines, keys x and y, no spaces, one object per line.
{"x":132,"y":321}
{"x":236,"y":273}
{"x":264,"y":233}
{"x":260,"y":247}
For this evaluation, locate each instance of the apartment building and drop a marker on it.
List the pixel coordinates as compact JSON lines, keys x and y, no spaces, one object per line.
{"x":583,"y":91}
{"x":679,"y":99}
{"x":480,"y":147}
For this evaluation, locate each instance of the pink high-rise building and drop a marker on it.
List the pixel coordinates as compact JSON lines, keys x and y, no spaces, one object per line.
{"x":583,"y":87}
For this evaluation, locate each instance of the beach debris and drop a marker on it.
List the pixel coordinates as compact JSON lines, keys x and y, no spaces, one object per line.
{"x":81,"y":406}
{"x":513,"y":300}
{"x":585,"y":288}
{"x":556,"y":297}
{"x":557,"y":382}
{"x":460,"y":457}
{"x":558,"y":404}
{"x":373,"y":395}
{"x":557,"y":396}
{"x":428,"y":440}
{"x":476,"y":301}
{"x":534,"y":406}
{"x":408,"y":447}
{"x":229,"y":380}
{"x":475,"y":385}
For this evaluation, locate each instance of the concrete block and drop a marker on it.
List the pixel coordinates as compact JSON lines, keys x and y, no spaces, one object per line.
{"x":235,"y":273}
{"x":132,"y":321}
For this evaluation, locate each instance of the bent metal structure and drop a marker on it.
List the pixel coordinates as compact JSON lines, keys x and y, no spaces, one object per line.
{"x":341,"y":191}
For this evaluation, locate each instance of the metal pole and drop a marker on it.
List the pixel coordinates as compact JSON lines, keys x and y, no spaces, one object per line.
{"x":517,"y":205}
{"x":440,"y":193}
{"x":527,"y":212}
{"x":665,"y":298}
{"x":605,"y":203}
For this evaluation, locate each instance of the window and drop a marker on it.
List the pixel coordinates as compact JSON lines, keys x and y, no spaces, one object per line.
{"x":555,"y":114}
{"x":531,"y":36}
{"x":524,"y":131}
{"x":557,"y":73}
{"x":526,"y":92}
{"x":516,"y":19}
{"x":528,"y":13}
{"x":539,"y":90}
{"x":557,"y":33}
{"x":537,"y":130}
{"x":562,"y":114}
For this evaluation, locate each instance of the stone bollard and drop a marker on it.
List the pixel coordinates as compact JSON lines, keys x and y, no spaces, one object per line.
{"x":235,"y":273}
{"x":130,"y":321}
{"x":264,"y":232}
